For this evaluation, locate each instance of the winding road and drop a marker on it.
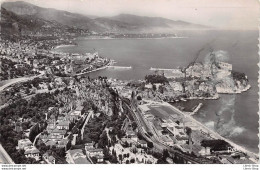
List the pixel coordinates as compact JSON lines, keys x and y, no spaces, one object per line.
{"x":17,"y":80}
{"x":4,"y":157}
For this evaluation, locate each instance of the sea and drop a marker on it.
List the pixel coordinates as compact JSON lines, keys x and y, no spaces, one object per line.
{"x":233,"y":116}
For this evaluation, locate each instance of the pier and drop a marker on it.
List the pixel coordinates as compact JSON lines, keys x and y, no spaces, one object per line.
{"x":161,"y":69}
{"x":196,"y":109}
{"x":120,"y":67}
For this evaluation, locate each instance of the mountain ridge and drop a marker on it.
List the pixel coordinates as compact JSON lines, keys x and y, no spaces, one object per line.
{"x":122,"y":23}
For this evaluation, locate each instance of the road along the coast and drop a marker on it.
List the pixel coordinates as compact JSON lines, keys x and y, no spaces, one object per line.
{"x":254,"y":156}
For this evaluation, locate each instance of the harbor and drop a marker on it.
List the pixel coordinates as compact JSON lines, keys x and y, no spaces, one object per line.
{"x":140,"y":68}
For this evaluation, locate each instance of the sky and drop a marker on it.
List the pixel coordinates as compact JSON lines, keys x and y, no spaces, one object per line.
{"x":227,"y":14}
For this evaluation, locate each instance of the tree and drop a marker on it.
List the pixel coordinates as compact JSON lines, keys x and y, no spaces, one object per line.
{"x":30,"y":161}
{"x":106,"y":153}
{"x":59,"y":151}
{"x":49,"y":87}
{"x":94,"y":159}
{"x":165,"y":154}
{"x":161,"y":161}
{"x":188,"y":131}
{"x":27,"y":91}
{"x":34,"y":132}
{"x":132,"y":160}
{"x":43,"y":148}
{"x":133,"y":95}
{"x":154,"y":87}
{"x":134,"y":151}
{"x":103,"y":141}
{"x":134,"y":125}
{"x":139,"y":98}
{"x":150,"y":144}
{"x":113,"y":152}
{"x":120,"y":157}
{"x":125,"y":144}
{"x":68,"y":145}
{"x":156,"y":79}
{"x":139,"y":135}
{"x":161,"y":90}
{"x":113,"y":159}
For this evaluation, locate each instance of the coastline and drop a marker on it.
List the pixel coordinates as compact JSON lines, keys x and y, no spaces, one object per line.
{"x":221,"y":92}
{"x":216,"y":135}
{"x":239,"y":91}
{"x":204,"y":98}
{"x":64,"y":45}
{"x":111,"y":38}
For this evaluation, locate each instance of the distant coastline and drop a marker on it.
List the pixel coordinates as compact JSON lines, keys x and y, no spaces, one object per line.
{"x":134,"y":38}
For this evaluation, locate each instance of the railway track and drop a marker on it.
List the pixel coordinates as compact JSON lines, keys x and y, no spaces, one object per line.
{"x":160,"y":146}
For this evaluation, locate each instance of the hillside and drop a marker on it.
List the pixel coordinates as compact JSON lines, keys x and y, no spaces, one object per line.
{"x":117,"y":24}
{"x":13,"y":24}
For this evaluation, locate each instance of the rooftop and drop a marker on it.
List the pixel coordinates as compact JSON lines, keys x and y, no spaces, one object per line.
{"x":64,"y":123}
{"x":181,"y":138}
{"x":81,"y":160}
{"x":51,"y":158}
{"x":31,"y":150}
{"x":95,"y":150}
{"x":142,"y":142}
{"x":50,"y":143}
{"x":166,"y":139}
{"x":62,"y":132}
{"x":25,"y":141}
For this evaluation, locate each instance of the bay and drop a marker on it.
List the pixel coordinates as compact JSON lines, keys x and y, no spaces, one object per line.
{"x":233,"y":116}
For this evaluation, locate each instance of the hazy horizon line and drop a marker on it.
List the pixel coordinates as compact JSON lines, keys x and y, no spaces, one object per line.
{"x":95,"y":16}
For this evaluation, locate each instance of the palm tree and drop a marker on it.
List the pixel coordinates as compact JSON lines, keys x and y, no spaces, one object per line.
{"x":189,"y":131}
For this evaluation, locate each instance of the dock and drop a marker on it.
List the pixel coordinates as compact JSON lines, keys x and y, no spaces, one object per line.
{"x":161,"y":69}
{"x":196,"y":109}
{"x":120,"y":67}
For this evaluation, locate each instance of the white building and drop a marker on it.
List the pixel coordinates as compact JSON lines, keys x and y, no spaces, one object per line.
{"x":94,"y":152}
{"x":173,"y":73}
{"x":76,"y":156}
{"x":176,"y":86}
{"x":205,"y":151}
{"x":32,"y":152}
{"x":24,"y":143}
